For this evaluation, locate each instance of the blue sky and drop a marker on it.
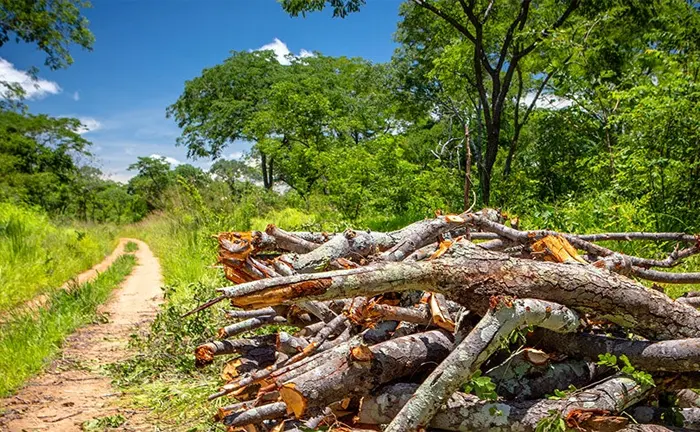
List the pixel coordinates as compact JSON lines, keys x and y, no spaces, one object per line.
{"x":146,"y":49}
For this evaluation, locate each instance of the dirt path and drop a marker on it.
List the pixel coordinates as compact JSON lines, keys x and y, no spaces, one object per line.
{"x":73,"y":390}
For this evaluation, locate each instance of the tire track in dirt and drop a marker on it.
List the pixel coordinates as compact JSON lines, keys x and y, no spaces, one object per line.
{"x":72,"y":390}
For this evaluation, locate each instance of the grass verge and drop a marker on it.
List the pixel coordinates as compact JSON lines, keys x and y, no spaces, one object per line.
{"x":38,"y":255}
{"x":30,"y":339}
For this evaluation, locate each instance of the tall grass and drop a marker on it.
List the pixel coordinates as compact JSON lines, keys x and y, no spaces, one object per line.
{"x":30,"y":339}
{"x":37,"y":256}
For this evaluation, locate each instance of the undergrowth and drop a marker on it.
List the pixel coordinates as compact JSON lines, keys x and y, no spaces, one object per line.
{"x":38,"y":256}
{"x":29,"y":340}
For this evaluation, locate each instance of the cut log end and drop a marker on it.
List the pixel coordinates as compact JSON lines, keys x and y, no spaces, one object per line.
{"x":296,"y":402}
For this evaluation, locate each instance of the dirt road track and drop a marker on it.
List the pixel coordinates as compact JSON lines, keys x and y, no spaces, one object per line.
{"x":72,"y":390}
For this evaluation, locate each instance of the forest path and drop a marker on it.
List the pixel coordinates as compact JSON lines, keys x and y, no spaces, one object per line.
{"x":73,"y":390}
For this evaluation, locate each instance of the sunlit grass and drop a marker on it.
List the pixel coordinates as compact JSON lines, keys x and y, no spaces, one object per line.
{"x":38,"y":256}
{"x":29,"y":340}
{"x":131,"y":247}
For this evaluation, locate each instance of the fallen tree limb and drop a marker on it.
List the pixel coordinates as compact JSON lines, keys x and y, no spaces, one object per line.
{"x":666,"y":277}
{"x":469,"y":275}
{"x":505,"y":316}
{"x":249,"y":324}
{"x":687,"y":418}
{"x":463,"y":412}
{"x":256,"y":414}
{"x":526,"y":237}
{"x":204,"y":354}
{"x":362,"y":369}
{"x":394,"y":285}
{"x":682,"y":355}
{"x":523,"y":378}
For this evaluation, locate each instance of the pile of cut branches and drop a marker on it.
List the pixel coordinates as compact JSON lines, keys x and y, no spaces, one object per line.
{"x":548,"y":330}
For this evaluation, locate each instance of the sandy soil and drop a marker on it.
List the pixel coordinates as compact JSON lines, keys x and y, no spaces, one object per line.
{"x":73,"y":390}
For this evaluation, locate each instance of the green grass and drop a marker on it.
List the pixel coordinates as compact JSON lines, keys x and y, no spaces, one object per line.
{"x":29,"y":340}
{"x":163,"y":379}
{"x":131,"y":247}
{"x":38,"y":256}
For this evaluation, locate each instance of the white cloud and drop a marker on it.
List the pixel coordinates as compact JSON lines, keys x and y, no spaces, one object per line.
{"x":168,"y":159}
{"x":76,"y":96}
{"x":237,"y":155}
{"x":282,"y":51}
{"x":547,"y":101}
{"x":89,"y":124}
{"x":33,"y":88}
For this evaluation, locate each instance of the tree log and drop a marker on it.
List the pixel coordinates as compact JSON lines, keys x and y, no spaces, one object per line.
{"x":520,"y":379}
{"x":362,"y":369}
{"x":682,"y":355}
{"x":249,"y":324}
{"x":469,"y":276}
{"x":464,"y":412}
{"x":204,"y":354}
{"x":505,"y":316}
{"x":256,"y":414}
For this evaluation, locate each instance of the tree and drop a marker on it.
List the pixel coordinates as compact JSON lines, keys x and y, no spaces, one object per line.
{"x":500,"y":37}
{"x":232,"y":172}
{"x":219,"y":107}
{"x":53,"y":25}
{"x":37,"y":158}
{"x":291,"y":113}
{"x":152,"y":179}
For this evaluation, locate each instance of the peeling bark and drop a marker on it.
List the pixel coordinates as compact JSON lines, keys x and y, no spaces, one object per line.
{"x":463,"y":412}
{"x":682,"y":355}
{"x":476,"y":348}
{"x":469,"y":275}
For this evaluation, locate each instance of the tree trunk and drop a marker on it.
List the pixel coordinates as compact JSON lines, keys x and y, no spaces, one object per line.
{"x":464,"y":412}
{"x":362,"y":369}
{"x":469,"y":275}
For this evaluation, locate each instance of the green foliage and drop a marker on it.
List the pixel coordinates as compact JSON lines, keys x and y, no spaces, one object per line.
{"x":341,"y":8}
{"x":29,"y":340}
{"x":482,"y":386}
{"x":38,"y":256}
{"x":614,"y":362}
{"x":52,"y":25}
{"x":562,"y":394}
{"x":131,"y":247}
{"x":103,"y":423}
{"x":554,"y":422}
{"x":38,"y":167}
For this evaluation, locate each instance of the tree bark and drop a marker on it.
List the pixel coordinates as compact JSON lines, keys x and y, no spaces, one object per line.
{"x":470,"y":275}
{"x":520,"y":379}
{"x":464,"y":412}
{"x":363,"y":369}
{"x":506,"y":315}
{"x":681,"y":355}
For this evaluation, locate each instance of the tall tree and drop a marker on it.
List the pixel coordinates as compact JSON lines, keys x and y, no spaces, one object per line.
{"x":500,"y":38}
{"x":221,"y":105}
{"x":152,"y":179}
{"x":292,"y":114}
